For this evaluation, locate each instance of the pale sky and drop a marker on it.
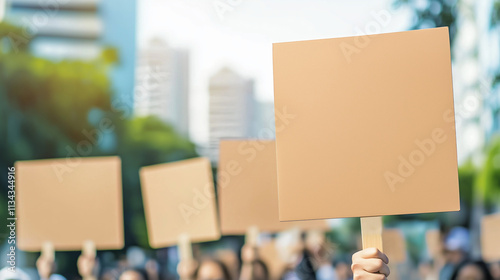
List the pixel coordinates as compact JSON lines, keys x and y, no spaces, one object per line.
{"x":242,"y":37}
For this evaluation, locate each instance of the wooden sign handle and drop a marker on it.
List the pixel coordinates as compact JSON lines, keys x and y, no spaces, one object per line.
{"x":371,"y":232}
{"x":184,"y":247}
{"x":89,"y":249}
{"x":48,"y":251}
{"x":252,"y":236}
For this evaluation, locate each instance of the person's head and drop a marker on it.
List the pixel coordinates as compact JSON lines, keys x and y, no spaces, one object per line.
{"x":495,"y":270}
{"x":133,"y":274}
{"x":456,"y":245}
{"x":260,"y":271}
{"x":212,"y":269}
{"x":472,"y":270}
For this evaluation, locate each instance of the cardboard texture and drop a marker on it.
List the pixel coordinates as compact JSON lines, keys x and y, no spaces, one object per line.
{"x":179,"y":199}
{"x":490,"y":243}
{"x":394,"y":245}
{"x":69,"y":201}
{"x":248,"y":188}
{"x":365,"y":126}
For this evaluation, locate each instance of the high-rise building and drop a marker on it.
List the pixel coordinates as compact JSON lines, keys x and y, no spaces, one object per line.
{"x":80,"y":29}
{"x":162,"y":84}
{"x":231,"y":110}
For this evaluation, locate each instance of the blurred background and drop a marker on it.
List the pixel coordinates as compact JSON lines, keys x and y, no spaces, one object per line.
{"x":175,"y":76}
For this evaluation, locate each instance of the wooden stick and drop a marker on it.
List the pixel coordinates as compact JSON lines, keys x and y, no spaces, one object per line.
{"x":252,"y":236}
{"x":371,"y":232}
{"x":184,"y":247}
{"x":89,"y":249}
{"x":48,"y":251}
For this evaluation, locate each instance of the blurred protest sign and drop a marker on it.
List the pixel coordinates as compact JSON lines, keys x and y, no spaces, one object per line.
{"x":179,"y":203}
{"x":68,"y":202}
{"x":248,"y":188}
{"x":370,"y":127}
{"x":490,"y":241}
{"x":394,"y":245}
{"x":434,"y":243}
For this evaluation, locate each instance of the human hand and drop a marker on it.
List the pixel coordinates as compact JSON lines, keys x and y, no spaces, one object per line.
{"x":45,"y":267}
{"x":187,"y":268}
{"x":370,"y":264}
{"x":86,"y":266}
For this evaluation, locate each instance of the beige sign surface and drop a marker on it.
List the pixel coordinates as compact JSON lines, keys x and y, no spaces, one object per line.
{"x":394,"y":245}
{"x":179,"y":199}
{"x":69,"y":201}
{"x":490,"y":242}
{"x":248,"y":188}
{"x":369,"y":128}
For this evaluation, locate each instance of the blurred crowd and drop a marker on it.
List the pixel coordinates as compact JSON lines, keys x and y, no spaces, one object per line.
{"x":297,"y":255}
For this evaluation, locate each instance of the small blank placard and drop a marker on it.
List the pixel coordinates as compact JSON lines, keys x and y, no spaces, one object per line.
{"x":179,"y":200}
{"x":248,"y":188}
{"x":69,"y":201}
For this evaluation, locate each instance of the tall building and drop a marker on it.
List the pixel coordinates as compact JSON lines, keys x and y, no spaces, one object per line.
{"x":80,"y":29}
{"x":231,"y":108}
{"x":162,"y":84}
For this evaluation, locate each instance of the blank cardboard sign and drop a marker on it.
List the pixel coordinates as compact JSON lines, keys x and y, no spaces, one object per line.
{"x":365,"y":126}
{"x":248,"y":188}
{"x":68,"y":202}
{"x":490,"y":242}
{"x":394,"y":245}
{"x":179,"y":199}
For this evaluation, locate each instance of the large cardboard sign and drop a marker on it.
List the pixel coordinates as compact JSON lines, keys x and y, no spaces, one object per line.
{"x":365,"y":126}
{"x":68,"y":202}
{"x":179,"y":200}
{"x":248,"y":188}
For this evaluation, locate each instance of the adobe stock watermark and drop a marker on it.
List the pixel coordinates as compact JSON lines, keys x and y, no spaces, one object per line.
{"x":380,"y":20}
{"x":222,"y":7}
{"x":250,"y":150}
{"x":105,"y":126}
{"x":425,"y":148}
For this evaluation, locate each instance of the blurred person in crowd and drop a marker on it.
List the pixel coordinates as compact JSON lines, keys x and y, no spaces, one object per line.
{"x":472,"y":270}
{"x":370,"y":264}
{"x":208,"y":269}
{"x":252,"y":268}
{"x":343,"y":269}
{"x":456,"y":250}
{"x":7,"y":274}
{"x":133,"y":274}
{"x":46,"y":268}
{"x":309,"y":258}
{"x":495,"y":270}
{"x":292,"y":251}
{"x":231,"y":260}
{"x":152,"y":269}
{"x":322,"y":253}
{"x":427,"y":270}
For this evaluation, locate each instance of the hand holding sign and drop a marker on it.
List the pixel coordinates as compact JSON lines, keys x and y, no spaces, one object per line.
{"x":373,"y":135}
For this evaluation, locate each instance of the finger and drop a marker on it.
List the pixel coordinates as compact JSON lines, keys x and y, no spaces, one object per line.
{"x":385,"y":270}
{"x":369,"y":265}
{"x":371,"y":253}
{"x":362,"y":275}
